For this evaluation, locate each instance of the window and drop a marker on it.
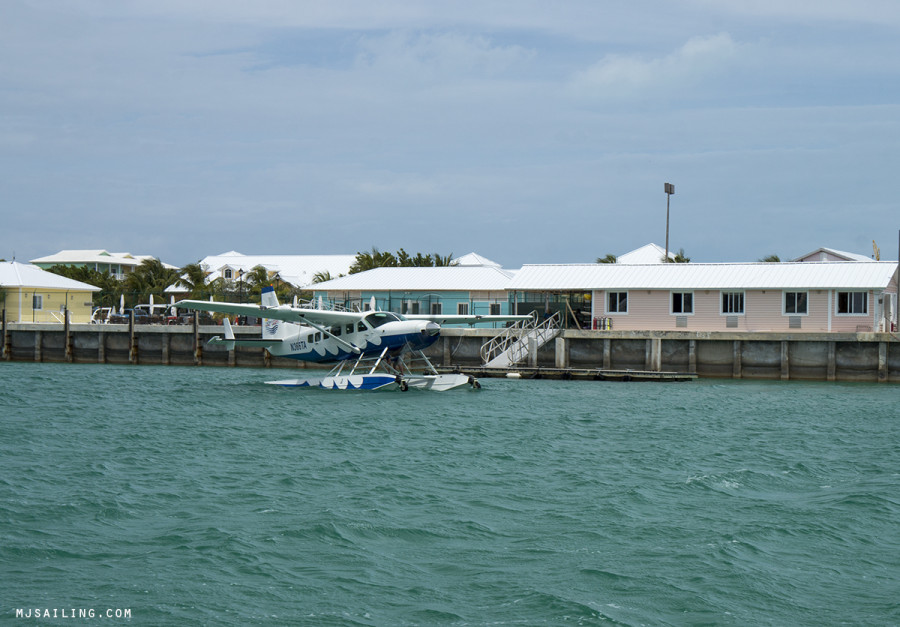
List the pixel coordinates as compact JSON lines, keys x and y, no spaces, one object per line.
{"x":361,"y":326}
{"x":732,"y":302}
{"x":228,"y":274}
{"x":617,"y":302}
{"x":349,"y":328}
{"x":495,"y":309}
{"x":795,"y":303}
{"x":336,"y":329}
{"x":380,"y":318}
{"x":411,"y":307}
{"x":462,"y":309}
{"x":853,"y":303}
{"x":682,"y":302}
{"x":37,"y":302}
{"x":436,"y":309}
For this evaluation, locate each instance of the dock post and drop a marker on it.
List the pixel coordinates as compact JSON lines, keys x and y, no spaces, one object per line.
{"x":38,"y":340}
{"x":532,"y":352}
{"x":4,"y":352}
{"x":607,"y":354}
{"x":692,"y":355}
{"x":132,"y":346}
{"x":736,"y":370}
{"x":562,"y":353}
{"x":655,"y":354}
{"x":447,"y":353}
{"x":198,"y":352}
{"x":166,"y":341}
{"x":68,"y":336}
{"x":831,"y":374}
{"x":101,"y":346}
{"x":882,"y":362}
{"x":785,"y":361}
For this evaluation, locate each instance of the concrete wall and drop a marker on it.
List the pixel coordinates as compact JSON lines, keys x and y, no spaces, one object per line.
{"x":784,"y":356}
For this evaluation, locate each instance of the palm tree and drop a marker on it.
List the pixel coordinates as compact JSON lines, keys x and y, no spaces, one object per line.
{"x":771,"y":259}
{"x":151,"y":277}
{"x":446,"y":260}
{"x":110,"y":286}
{"x":193,"y":278}
{"x":680,"y":257}
{"x":610,"y":258}
{"x":374,"y":259}
{"x":322,"y":277}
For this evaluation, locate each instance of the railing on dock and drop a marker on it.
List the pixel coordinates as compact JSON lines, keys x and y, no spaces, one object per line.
{"x":511,"y":346}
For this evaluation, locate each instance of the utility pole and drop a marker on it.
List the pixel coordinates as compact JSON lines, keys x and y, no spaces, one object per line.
{"x":670,"y":189}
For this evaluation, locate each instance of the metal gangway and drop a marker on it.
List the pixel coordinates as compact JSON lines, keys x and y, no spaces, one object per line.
{"x":513,"y":345}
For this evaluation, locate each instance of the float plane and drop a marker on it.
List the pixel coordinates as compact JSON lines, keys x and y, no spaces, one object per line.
{"x":370,"y":348}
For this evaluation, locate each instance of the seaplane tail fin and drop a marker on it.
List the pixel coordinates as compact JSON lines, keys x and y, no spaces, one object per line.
{"x":269,"y":299}
{"x":270,"y":328}
{"x":229,"y":332}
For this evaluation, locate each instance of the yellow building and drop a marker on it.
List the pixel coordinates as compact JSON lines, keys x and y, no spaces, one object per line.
{"x":29,"y":294}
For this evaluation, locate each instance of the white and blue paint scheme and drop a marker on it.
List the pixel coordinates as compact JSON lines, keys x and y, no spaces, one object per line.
{"x":342,"y":337}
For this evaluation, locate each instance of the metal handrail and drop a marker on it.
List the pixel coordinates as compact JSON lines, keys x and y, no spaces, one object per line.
{"x":510,"y":340}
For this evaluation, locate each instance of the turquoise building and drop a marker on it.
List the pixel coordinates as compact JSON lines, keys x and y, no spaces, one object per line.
{"x":446,"y":290}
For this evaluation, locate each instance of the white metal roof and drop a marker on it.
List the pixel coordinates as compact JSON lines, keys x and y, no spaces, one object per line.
{"x":298,"y":270}
{"x":442,"y":278}
{"x":95,"y":256}
{"x":651,"y":253}
{"x":474,"y":259}
{"x":822,"y":254}
{"x":14,"y":274}
{"x":805,"y":275}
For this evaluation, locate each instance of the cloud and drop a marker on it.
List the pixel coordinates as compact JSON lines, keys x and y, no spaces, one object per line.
{"x":880,"y":12}
{"x":436,"y":56}
{"x":619,"y":77}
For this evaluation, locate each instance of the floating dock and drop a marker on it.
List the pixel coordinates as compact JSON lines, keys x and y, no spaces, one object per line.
{"x":571,"y":374}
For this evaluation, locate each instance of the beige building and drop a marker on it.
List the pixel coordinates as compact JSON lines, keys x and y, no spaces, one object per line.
{"x":29,"y":294}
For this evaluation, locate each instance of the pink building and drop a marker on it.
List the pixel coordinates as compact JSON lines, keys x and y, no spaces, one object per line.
{"x":832,"y":296}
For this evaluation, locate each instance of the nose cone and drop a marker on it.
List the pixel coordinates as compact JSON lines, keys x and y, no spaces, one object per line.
{"x":431,"y":329}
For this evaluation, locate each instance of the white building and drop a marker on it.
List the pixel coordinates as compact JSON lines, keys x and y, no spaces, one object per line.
{"x":298,"y":270}
{"x":117,"y":264}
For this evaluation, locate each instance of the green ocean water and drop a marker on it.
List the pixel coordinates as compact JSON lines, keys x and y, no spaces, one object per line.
{"x":201,"y":496}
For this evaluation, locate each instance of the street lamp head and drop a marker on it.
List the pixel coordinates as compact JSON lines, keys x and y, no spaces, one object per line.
{"x":669,"y":188}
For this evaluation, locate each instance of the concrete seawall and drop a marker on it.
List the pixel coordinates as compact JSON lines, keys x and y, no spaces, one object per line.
{"x":778,"y":356}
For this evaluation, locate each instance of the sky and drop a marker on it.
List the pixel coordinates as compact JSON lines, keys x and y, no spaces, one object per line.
{"x":526,"y":131}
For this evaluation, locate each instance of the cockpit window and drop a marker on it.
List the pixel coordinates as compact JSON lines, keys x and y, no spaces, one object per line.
{"x":375,"y":320}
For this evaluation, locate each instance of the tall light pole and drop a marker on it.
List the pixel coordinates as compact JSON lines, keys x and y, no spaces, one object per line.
{"x":669,"y":189}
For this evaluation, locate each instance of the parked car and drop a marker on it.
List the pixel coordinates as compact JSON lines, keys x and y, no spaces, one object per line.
{"x":140,"y":317}
{"x":156,"y":313}
{"x":101,"y":315}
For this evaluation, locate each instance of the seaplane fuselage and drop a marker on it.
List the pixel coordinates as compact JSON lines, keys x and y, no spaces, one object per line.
{"x":368,"y":336}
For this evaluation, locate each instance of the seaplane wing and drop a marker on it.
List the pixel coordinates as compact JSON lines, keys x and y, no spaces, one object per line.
{"x":467,"y":319}
{"x":285,"y":313}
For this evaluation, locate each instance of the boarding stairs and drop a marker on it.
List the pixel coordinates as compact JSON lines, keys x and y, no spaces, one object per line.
{"x":512,"y":346}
